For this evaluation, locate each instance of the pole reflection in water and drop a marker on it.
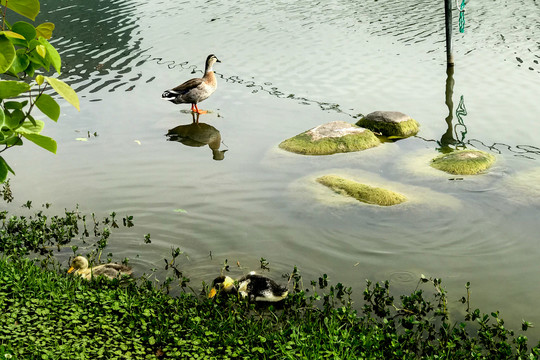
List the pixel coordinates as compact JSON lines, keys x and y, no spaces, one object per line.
{"x":198,"y":134}
{"x":448,"y":138}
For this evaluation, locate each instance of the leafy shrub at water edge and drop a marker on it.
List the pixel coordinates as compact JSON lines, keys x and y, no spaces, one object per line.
{"x":46,"y":314}
{"x":25,"y":51}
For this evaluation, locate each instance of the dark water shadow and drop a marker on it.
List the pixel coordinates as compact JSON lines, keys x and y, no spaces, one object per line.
{"x":198,"y":134}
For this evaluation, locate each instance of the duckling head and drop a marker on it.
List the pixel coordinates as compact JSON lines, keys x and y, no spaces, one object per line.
{"x":222,"y":283}
{"x":78,"y":263}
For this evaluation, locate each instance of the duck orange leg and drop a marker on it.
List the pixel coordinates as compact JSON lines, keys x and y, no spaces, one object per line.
{"x":199,"y":111}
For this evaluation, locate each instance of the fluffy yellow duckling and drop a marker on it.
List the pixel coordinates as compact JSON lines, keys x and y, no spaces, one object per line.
{"x":79,"y":265}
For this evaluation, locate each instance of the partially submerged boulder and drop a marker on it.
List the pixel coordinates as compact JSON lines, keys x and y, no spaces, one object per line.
{"x":390,"y":123}
{"x":361,"y":192}
{"x":464,"y":162}
{"x":331,"y":138}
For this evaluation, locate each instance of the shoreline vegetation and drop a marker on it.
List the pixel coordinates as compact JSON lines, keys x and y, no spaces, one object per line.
{"x":48,"y":314}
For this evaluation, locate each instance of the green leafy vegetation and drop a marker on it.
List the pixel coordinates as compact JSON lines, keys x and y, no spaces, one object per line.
{"x":26,"y":55}
{"x":47,"y":314}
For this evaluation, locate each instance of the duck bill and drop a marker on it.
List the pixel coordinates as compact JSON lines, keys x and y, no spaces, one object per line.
{"x":212,"y":293}
{"x":71,"y":269}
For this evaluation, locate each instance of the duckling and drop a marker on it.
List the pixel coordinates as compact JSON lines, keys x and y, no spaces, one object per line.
{"x":195,"y":90}
{"x":79,"y":265}
{"x":256,"y":287}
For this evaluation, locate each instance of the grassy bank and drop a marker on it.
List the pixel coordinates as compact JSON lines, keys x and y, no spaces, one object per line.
{"x":44,"y":313}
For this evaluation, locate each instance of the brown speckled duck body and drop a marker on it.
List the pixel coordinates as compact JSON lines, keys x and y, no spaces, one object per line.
{"x":195,"y":90}
{"x":80,"y":267}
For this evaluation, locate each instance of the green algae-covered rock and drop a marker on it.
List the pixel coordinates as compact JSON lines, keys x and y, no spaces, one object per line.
{"x":464,"y":162}
{"x":331,"y":138}
{"x":390,"y":123}
{"x":361,"y":192}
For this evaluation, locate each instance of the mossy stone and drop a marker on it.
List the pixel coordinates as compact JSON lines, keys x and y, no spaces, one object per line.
{"x":331,"y":138}
{"x":464,"y":162}
{"x":390,"y":123}
{"x":361,"y":192}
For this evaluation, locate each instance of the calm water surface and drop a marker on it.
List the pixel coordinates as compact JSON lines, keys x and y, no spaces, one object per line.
{"x":287,"y":67}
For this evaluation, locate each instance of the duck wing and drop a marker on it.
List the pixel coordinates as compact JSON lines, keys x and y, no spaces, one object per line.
{"x":111,"y":270}
{"x":188,"y":85}
{"x":260,"y":288}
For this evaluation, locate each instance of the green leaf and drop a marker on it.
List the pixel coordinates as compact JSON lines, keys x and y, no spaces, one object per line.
{"x":28,"y":128}
{"x":2,"y":117}
{"x":12,"y":140}
{"x":3,"y":169}
{"x":12,"y":34}
{"x":48,"y":106}
{"x":45,"y":30}
{"x":13,"y":105}
{"x":44,"y":141}
{"x":27,"y":8}
{"x":25,"y":29}
{"x":21,"y":62}
{"x":41,"y":50}
{"x":65,"y":91}
{"x":14,"y":121}
{"x":10,"y":88}
{"x":31,"y":68}
{"x":52,"y":54}
{"x":37,"y":56}
{"x":7,"y":53}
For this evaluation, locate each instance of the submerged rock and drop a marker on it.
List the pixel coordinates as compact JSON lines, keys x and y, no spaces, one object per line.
{"x":331,"y":138}
{"x":362,"y":192}
{"x":390,"y":123}
{"x":464,"y":162}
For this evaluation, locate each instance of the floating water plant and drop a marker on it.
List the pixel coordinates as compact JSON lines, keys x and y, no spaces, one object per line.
{"x":361,"y":192}
{"x":464,"y":162}
{"x":331,"y":138}
{"x":390,"y":123}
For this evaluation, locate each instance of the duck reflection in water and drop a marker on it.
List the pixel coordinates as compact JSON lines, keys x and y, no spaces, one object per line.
{"x":198,"y":134}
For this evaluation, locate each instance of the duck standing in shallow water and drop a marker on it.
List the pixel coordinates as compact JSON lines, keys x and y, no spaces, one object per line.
{"x":195,"y":90}
{"x":256,"y":287}
{"x":79,"y":265}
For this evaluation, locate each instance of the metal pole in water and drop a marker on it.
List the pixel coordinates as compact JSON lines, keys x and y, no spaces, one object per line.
{"x":448,"y":26}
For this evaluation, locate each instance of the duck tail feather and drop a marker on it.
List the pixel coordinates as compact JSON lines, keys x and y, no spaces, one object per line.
{"x":169,"y":95}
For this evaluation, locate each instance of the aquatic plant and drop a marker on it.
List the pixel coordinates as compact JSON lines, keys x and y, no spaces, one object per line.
{"x":362,"y":192}
{"x":464,"y":162}
{"x":49,"y":315}
{"x":342,"y":138}
{"x":25,"y":51}
{"x":46,"y":314}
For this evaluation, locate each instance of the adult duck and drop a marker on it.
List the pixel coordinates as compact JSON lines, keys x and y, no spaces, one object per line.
{"x":195,"y":90}
{"x":79,"y":265}
{"x":255,"y":287}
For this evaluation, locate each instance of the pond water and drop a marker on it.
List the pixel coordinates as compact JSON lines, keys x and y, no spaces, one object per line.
{"x":288,"y":66}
